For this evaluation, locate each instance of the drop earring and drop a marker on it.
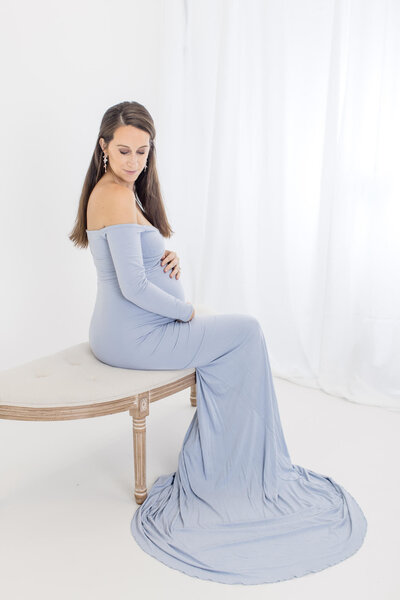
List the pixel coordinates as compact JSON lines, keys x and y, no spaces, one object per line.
{"x":105,"y":162}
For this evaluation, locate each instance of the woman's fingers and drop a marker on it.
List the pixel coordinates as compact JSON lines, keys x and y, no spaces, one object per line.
{"x":174,"y":265}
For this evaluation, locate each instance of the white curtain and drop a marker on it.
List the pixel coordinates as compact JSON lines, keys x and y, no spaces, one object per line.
{"x":280,"y":121}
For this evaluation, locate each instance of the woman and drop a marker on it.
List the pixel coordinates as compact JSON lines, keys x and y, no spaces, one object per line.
{"x":236,"y":510}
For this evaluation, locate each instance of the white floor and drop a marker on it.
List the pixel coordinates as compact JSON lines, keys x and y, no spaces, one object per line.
{"x":66,"y":502}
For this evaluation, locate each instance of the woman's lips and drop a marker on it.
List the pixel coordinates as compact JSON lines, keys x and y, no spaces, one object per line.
{"x":131,"y":172}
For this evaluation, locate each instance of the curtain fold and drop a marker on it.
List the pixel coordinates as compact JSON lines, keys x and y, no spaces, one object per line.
{"x":281,"y":129}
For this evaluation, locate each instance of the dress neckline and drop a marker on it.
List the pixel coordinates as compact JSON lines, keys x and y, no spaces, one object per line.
{"x":120,"y":225}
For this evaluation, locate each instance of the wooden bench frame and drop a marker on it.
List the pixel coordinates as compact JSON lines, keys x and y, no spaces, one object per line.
{"x":139,"y":412}
{"x":138,"y":406}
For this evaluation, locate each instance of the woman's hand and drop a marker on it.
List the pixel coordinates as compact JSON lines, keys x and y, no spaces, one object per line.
{"x":172,"y":259}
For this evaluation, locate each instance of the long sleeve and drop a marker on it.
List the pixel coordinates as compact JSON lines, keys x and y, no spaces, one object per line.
{"x":125,"y":246}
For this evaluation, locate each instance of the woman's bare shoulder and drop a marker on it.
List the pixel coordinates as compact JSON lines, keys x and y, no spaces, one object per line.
{"x":109,"y":192}
{"x":109,"y":204}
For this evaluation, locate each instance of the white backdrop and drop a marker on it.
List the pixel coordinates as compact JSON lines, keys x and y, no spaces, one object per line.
{"x":277,"y":140}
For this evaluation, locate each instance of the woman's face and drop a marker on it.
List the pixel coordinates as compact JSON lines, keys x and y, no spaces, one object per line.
{"x":127,"y":152}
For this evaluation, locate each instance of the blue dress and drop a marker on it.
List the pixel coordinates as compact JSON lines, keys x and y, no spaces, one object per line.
{"x":236,"y":510}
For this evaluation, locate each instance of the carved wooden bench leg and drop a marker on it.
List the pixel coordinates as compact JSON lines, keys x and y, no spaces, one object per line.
{"x":139,"y":412}
{"x":193,"y":399}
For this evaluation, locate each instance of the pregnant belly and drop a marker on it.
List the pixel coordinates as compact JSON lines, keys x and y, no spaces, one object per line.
{"x":116,"y":320}
{"x":165,"y":282}
{"x":114,"y":314}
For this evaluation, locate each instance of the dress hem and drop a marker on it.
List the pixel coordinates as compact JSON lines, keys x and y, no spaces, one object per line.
{"x":195,"y":572}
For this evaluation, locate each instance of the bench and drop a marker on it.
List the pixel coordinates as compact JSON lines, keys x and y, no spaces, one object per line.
{"x":74,"y":384}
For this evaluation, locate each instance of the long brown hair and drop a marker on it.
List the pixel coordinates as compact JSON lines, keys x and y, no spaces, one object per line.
{"x":147,"y":185}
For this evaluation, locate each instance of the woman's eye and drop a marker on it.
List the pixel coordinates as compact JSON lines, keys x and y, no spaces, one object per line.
{"x":128,"y":152}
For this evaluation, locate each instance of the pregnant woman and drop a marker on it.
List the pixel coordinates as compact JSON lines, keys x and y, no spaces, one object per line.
{"x":236,"y":510}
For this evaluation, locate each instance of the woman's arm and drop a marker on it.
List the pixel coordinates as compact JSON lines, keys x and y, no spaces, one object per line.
{"x":125,"y":246}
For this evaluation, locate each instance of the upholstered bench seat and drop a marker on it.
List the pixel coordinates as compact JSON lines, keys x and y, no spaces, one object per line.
{"x":74,"y":384}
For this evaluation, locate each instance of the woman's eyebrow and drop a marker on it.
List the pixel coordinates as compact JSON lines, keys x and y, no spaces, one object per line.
{"x":124,"y":146}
